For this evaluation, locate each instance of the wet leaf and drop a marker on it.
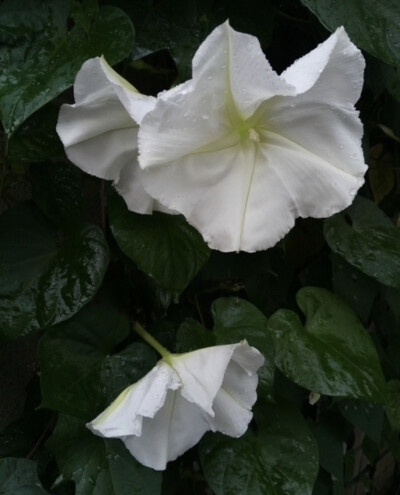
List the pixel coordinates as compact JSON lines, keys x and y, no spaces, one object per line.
{"x":19,"y":476}
{"x":365,"y":237}
{"x":45,"y":276}
{"x":164,"y":246}
{"x":97,"y":465}
{"x":332,"y":353}
{"x":40,"y":59}
{"x":372,"y":26}
{"x":79,"y":374}
{"x":279,"y":458}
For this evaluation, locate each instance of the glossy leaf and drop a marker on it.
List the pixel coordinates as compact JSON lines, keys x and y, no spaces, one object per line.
{"x":330,"y":434}
{"x":367,"y":239}
{"x":45,"y":276}
{"x":57,"y":190}
{"x":279,"y":458}
{"x":19,"y":476}
{"x":236,"y":319}
{"x":373,"y":26}
{"x":164,"y":246}
{"x":181,"y":26}
{"x":332,"y":353}
{"x":41,"y":58}
{"x":191,"y":335}
{"x":365,"y":415}
{"x":36,"y":139}
{"x":97,"y":465}
{"x":356,"y":288}
{"x":79,"y":375}
{"x":393,"y":404}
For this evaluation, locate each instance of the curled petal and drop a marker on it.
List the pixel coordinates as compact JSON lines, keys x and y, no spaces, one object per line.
{"x":333,"y":71}
{"x":233,"y":402}
{"x":202,"y":373}
{"x":145,"y":398}
{"x":100,"y":136}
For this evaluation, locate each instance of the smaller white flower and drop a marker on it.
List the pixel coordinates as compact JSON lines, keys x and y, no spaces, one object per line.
{"x":99,"y":132}
{"x":167,"y":412}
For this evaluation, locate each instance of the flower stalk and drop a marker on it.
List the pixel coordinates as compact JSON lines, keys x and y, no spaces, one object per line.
{"x":165,"y":353}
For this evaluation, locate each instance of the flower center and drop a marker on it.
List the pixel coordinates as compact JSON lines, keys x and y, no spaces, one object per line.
{"x":253,"y":135}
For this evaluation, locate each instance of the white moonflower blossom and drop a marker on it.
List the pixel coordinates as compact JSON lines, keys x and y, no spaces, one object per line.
{"x":241,"y":151}
{"x":99,"y":131}
{"x":167,"y":412}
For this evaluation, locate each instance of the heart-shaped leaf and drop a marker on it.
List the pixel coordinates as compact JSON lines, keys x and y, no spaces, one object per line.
{"x":164,"y":246}
{"x":45,"y":276}
{"x":99,"y":466}
{"x":279,"y":458}
{"x":367,"y":239}
{"x":332,"y":353}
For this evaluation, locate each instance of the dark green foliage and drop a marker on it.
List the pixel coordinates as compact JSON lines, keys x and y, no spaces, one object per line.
{"x":77,"y":268}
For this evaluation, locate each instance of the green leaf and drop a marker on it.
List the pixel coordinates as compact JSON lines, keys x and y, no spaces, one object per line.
{"x":371,"y":25}
{"x":365,"y":415}
{"x":393,"y":404}
{"x":235,"y":320}
{"x":191,"y":336}
{"x":19,"y":476}
{"x":78,"y":375}
{"x":45,"y":276}
{"x":164,"y":246}
{"x":330,"y":437}
{"x":279,"y":458}
{"x":97,"y":465}
{"x":57,"y":190}
{"x":40,"y":58}
{"x":180,"y":26}
{"x":36,"y":140}
{"x":356,"y":288}
{"x":367,"y":239}
{"x":332,"y":353}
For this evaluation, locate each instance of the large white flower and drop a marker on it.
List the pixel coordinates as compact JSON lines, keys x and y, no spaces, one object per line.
{"x":99,"y":131}
{"x":183,"y":396}
{"x":241,"y":151}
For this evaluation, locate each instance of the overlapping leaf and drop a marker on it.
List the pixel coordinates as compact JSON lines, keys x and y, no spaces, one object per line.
{"x":332,"y":353}
{"x":372,"y":25}
{"x":164,"y":246}
{"x":45,"y":276}
{"x":19,"y":476}
{"x":40,"y":58}
{"x":280,"y":458}
{"x":79,"y":376}
{"x":99,"y":466}
{"x":367,"y":239}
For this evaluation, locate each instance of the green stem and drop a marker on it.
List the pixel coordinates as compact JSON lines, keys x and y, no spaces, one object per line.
{"x":151,"y":340}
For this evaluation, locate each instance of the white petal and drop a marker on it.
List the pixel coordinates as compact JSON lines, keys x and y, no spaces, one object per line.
{"x":231,"y":418}
{"x":100,"y":136}
{"x":125,"y":415}
{"x":295,"y":182}
{"x":231,"y":77}
{"x":202,"y":372}
{"x":233,"y":64}
{"x":176,"y":427}
{"x":242,"y":183}
{"x":232,"y":404}
{"x":333,"y":71}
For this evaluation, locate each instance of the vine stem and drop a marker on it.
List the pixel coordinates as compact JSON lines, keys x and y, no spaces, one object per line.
{"x":151,"y":340}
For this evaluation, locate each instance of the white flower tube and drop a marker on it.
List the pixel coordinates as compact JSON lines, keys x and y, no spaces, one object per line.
{"x":99,"y":131}
{"x":241,"y":151}
{"x":167,"y":412}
